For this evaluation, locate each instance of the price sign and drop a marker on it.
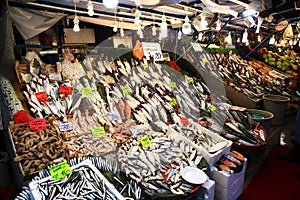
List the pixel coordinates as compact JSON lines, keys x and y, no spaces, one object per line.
{"x":65,"y":127}
{"x":172,"y":85}
{"x":37,"y":124}
{"x":184,"y":121}
{"x":152,"y":49}
{"x":112,"y":116}
{"x":98,"y":131}
{"x":126,"y":89}
{"x":86,"y":91}
{"x":173,"y":102}
{"x":21,"y":117}
{"x":53,"y":76}
{"x":196,"y":46}
{"x":60,"y":171}
{"x":190,"y":80}
{"x":136,"y":130}
{"x":41,"y":96}
{"x":66,"y":90}
{"x":145,"y":141}
{"x":212,"y":108}
{"x":145,"y":66}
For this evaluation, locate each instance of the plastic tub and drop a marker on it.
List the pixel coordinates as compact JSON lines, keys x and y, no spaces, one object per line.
{"x":276,"y":104}
{"x":262,"y":116}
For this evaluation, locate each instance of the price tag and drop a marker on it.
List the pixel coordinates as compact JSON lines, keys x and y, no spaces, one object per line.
{"x":41,"y":96}
{"x":184,"y":121}
{"x":126,"y":89}
{"x":145,"y":66}
{"x":212,"y":108}
{"x":37,"y":124}
{"x":190,"y":80}
{"x":196,"y":46}
{"x":152,"y":49}
{"x":65,"y":127}
{"x":98,"y":131}
{"x":21,"y":117}
{"x":112,"y":116}
{"x":60,"y":171}
{"x":86,"y":91}
{"x":53,"y":76}
{"x":172,"y":85}
{"x":136,"y":130}
{"x":166,"y":57}
{"x":89,"y":75}
{"x":173,"y":102}
{"x":66,"y":90}
{"x":145,"y":141}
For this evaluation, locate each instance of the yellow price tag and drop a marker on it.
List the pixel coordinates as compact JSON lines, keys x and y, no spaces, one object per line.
{"x":126,"y":89}
{"x":89,"y":75}
{"x":60,"y":171}
{"x":145,"y":66}
{"x":190,"y":80}
{"x":98,"y":131}
{"x":173,"y":102}
{"x":145,"y":141}
{"x":87,"y":91}
{"x":172,"y":85}
{"x":212,"y":108}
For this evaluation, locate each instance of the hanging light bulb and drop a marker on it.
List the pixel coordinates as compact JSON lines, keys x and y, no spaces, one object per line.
{"x":228,"y":39}
{"x":238,"y":40}
{"x":137,"y":15}
{"x":247,"y":43}
{"x":115,"y":29}
{"x":76,"y":21}
{"x":291,"y":42}
{"x":258,"y":38}
{"x":218,"y":25}
{"x":122,"y":32}
{"x":76,"y":24}
{"x":186,"y":27}
{"x":200,"y":35}
{"x":90,"y":8}
{"x":245,"y":36}
{"x":179,"y":35}
{"x":164,"y":27}
{"x":272,"y":40}
{"x":153,"y":30}
{"x":139,"y":30}
{"x":110,"y":3}
{"x":203,"y":22}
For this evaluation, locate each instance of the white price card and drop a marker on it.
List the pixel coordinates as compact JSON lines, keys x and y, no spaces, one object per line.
{"x":152,"y":49}
{"x":196,"y":46}
{"x":65,"y":126}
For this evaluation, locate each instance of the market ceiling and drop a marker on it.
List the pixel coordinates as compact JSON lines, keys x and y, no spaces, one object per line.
{"x":175,"y":11}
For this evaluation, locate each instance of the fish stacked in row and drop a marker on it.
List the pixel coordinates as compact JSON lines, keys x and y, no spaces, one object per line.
{"x":156,"y":161}
{"x":36,"y":150}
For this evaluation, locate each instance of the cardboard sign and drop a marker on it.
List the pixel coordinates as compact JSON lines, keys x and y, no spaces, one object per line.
{"x":37,"y":124}
{"x":145,"y":141}
{"x":41,"y":96}
{"x":126,"y":89}
{"x":60,"y":171}
{"x":87,"y":91}
{"x":152,"y":49}
{"x":173,"y":102}
{"x":98,"y":131}
{"x":66,"y":90}
{"x":21,"y":117}
{"x":65,"y":127}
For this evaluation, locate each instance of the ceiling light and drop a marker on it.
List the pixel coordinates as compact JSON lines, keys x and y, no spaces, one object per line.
{"x":90,"y":8}
{"x":110,"y":3}
{"x":291,"y":42}
{"x":153,"y":30}
{"x":76,"y":24}
{"x":245,"y":36}
{"x":228,"y":39}
{"x":179,"y":35}
{"x":272,"y":40}
{"x":203,"y":22}
{"x":200,"y":37}
{"x":115,"y":29}
{"x":238,"y":40}
{"x":258,"y":38}
{"x":122,"y":32}
{"x":218,"y":25}
{"x":186,"y":27}
{"x":137,"y":15}
{"x":249,"y":12}
{"x":164,"y":27}
{"x":139,"y":30}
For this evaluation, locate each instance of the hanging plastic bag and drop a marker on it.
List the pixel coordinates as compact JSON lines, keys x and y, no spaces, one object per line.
{"x":138,"y":51}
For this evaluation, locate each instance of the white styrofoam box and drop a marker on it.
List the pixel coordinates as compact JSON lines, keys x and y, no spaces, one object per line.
{"x":230,"y":193}
{"x":211,"y":158}
{"x":209,"y":186}
{"x":224,"y":179}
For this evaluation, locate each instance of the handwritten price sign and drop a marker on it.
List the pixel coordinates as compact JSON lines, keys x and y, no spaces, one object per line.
{"x":98,"y":131}
{"x":66,"y":90}
{"x":37,"y":124}
{"x":152,"y":49}
{"x":87,"y":91}
{"x":65,"y":127}
{"x":145,"y":141}
{"x":60,"y":171}
{"x":41,"y":96}
{"x":173,"y":102}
